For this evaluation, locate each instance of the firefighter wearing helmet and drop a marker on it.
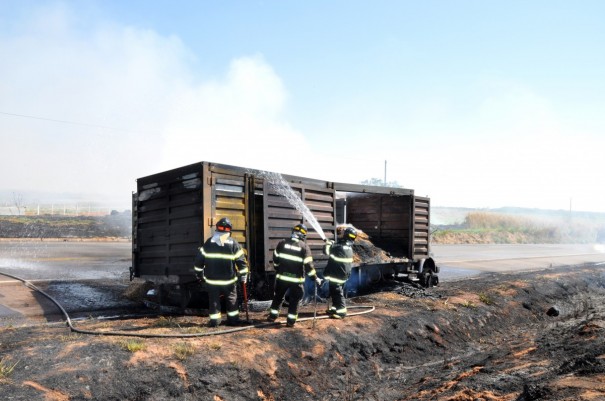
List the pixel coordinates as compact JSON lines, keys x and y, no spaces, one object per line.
{"x":220,"y":263}
{"x":293,"y":261}
{"x":338,"y":270}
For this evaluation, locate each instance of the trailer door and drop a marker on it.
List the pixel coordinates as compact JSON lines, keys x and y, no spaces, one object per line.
{"x":228,"y":197}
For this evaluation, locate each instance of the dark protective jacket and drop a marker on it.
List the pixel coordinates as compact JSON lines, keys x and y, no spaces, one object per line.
{"x":293,"y":260}
{"x":220,"y":264}
{"x":340,"y":260}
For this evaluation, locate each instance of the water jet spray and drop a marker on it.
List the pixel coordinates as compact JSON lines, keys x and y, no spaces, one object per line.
{"x":281,"y":186}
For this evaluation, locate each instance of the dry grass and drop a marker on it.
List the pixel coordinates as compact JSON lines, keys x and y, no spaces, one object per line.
{"x":482,"y":227}
{"x":183,"y":350}
{"x":6,"y":368}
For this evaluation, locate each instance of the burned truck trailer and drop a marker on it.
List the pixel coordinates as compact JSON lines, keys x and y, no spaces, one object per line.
{"x":175,"y":211}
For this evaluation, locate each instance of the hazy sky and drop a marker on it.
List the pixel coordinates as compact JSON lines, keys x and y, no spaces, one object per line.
{"x":473,"y":103}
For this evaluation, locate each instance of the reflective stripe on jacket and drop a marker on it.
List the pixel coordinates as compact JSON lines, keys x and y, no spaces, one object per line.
{"x":293,"y":260}
{"x":221,"y":264}
{"x":340,"y":261}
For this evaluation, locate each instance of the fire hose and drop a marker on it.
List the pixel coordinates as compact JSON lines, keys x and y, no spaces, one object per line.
{"x":314,"y":305}
{"x":69,"y":323}
{"x":245,"y":294}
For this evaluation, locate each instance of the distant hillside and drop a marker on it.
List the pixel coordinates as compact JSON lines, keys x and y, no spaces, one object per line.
{"x":515,"y":225}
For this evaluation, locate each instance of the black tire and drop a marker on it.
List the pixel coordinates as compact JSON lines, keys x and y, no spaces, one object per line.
{"x":427,"y":279}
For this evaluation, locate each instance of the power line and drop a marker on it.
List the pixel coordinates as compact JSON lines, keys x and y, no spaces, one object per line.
{"x":71,"y":122}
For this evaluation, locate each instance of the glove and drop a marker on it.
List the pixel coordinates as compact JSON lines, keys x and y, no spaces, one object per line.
{"x":318,"y":282}
{"x":329,"y":241}
{"x":243,"y":278}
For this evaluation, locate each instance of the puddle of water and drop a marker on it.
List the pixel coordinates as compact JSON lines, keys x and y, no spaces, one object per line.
{"x":448,"y":272}
{"x":77,"y":296}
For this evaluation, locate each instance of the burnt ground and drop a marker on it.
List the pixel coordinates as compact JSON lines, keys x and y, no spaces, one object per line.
{"x":524,"y":336}
{"x":114,"y":225}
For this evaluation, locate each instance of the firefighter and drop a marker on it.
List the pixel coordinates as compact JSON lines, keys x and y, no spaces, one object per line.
{"x":293,"y":261}
{"x":221,"y":263}
{"x":338,"y":270}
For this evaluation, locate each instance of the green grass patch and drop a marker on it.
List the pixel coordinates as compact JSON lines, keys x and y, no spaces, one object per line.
{"x":133,"y":345}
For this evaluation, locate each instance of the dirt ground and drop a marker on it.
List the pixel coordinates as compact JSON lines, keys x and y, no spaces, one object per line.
{"x":525,"y":336}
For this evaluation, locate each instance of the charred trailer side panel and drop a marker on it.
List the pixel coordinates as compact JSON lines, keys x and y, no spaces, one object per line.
{"x":169,"y":221}
{"x":168,"y":224}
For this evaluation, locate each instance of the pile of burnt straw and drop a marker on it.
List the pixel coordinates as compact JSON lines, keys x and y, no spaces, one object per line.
{"x":364,"y":251}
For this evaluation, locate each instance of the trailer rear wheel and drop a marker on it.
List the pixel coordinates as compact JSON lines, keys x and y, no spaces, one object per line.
{"x":428,"y":279}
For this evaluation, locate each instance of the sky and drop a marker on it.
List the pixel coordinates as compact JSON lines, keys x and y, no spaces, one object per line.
{"x":473,"y":103}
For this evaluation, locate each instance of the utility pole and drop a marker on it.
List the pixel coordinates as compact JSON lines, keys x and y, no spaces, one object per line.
{"x":385,"y":173}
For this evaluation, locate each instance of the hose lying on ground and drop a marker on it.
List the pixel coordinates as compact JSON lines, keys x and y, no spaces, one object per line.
{"x":365,"y":309}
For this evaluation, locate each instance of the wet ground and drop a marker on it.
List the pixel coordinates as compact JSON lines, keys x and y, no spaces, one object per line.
{"x":91,"y":259}
{"x":67,"y":260}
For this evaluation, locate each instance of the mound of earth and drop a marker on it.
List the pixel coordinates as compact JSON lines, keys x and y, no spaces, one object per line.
{"x":530,"y":336}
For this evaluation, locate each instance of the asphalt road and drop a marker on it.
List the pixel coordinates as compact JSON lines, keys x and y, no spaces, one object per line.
{"x":53,"y":260}
{"x":69,"y":260}
{"x":467,"y":260}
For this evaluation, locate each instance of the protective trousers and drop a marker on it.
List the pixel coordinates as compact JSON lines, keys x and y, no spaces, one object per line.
{"x":294,"y":297}
{"x":338,"y":299}
{"x":228,"y":291}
